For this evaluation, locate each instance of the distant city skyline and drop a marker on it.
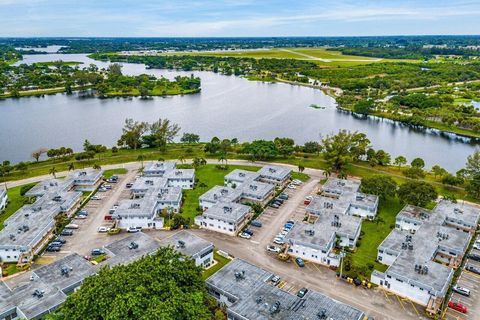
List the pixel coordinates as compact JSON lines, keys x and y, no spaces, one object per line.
{"x":237,"y":18}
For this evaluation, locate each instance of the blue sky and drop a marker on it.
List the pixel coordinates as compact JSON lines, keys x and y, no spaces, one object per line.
{"x":157,"y":18}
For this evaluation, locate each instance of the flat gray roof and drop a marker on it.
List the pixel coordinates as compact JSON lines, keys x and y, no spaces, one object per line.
{"x":181,"y":174}
{"x":279,"y":173}
{"x":240,"y":175}
{"x":29,"y":224}
{"x":18,"y":291}
{"x":254,"y":296}
{"x":145,"y":183}
{"x":324,"y":231}
{"x":228,"y":211}
{"x":433,"y":236}
{"x":88,"y":176}
{"x":220,"y":193}
{"x":187,"y":243}
{"x":159,"y":166}
{"x":121,"y":254}
{"x":48,"y":185}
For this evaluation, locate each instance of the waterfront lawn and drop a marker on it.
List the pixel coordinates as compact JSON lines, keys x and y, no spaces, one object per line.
{"x":208,"y":176}
{"x":108,"y":173}
{"x":373,"y":233}
{"x":300,"y":176}
{"x":15,"y":202}
{"x":221,"y":261}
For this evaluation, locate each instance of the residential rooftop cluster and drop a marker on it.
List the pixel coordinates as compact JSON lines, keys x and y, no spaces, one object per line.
{"x":28,"y":229}
{"x":33,"y":294}
{"x":224,"y":206}
{"x":159,"y":188}
{"x":424,"y":249}
{"x":248,"y":293}
{"x":335,"y":215}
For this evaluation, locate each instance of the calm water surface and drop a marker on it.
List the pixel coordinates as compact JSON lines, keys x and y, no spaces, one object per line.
{"x":227,"y":107}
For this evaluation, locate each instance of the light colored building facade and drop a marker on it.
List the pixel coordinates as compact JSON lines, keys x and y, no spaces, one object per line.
{"x":224,"y":206}
{"x":248,"y":294}
{"x":159,"y":189}
{"x":3,"y":198}
{"x":424,"y":250}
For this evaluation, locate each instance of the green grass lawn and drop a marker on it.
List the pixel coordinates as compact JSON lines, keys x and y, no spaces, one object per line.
{"x":221,"y":261}
{"x":15,"y":202}
{"x":211,"y":176}
{"x":108,"y":173}
{"x":374,"y":232}
{"x":300,"y":176}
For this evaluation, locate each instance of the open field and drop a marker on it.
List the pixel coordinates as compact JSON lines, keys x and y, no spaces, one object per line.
{"x":15,"y":202}
{"x":322,"y":56}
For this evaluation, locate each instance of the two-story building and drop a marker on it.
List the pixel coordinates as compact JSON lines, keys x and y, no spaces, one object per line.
{"x":225,"y":217}
{"x":3,"y":198}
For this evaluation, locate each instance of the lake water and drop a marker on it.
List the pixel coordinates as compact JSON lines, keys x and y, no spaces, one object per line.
{"x":227,"y":107}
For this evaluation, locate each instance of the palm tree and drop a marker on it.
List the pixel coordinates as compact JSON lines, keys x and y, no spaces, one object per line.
{"x":141,"y":157}
{"x":181,"y":159}
{"x":327,"y":173}
{"x":53,"y":171}
{"x":222,"y":159}
{"x":71,"y":166}
{"x":96,"y":166}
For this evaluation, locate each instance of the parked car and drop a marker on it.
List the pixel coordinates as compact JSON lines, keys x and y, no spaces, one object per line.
{"x":80,"y":216}
{"x":129,"y":185}
{"x":279,"y":241}
{"x":107,"y":186}
{"x":473,"y":269}
{"x":53,"y":248}
{"x":283,"y":196}
{"x":61,"y":240}
{"x":291,"y":222}
{"x":245,"y":235}
{"x":97,"y":252}
{"x":474,"y":256}
{"x":300,"y":262}
{"x":476,"y":246}
{"x":291,"y":186}
{"x":83,"y":212}
{"x":66,"y":232}
{"x":273,"y":249}
{"x":461,"y":290}
{"x":273,"y":205}
{"x":56,"y":244}
{"x":248,"y":231}
{"x":71,"y":226}
{"x":102,"y":229}
{"x":95,"y":198}
{"x":133,"y":245}
{"x":302,"y":292}
{"x":457,"y":306}
{"x":277,"y":199}
{"x":275,"y":279}
{"x":134,"y":229}
{"x":256,"y":223}
{"x":102,"y":189}
{"x":284,"y":232}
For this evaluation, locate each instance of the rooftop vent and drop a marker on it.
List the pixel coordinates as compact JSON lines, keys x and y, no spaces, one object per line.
{"x":227,"y":209}
{"x":310,"y":232}
{"x":442,"y":236}
{"x":360,"y":197}
{"x":38,"y":293}
{"x":275,"y":308}
{"x":241,"y":174}
{"x":135,"y":206}
{"x":259,"y":299}
{"x":322,"y":314}
{"x":421,"y":269}
{"x":336,"y":221}
{"x":181,"y":244}
{"x":272,"y":170}
{"x":253,"y":187}
{"x":240,"y":275}
{"x":328,"y":205}
{"x":457,"y":210}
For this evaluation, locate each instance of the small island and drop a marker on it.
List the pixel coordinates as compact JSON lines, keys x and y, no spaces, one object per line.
{"x":66,"y":76}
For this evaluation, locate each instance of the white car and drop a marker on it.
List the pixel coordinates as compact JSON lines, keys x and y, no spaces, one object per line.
{"x":80,"y":216}
{"x":273,"y":249}
{"x":245,"y":235}
{"x":95,"y":198}
{"x":102,"y":229}
{"x":134,"y":229}
{"x":476,"y":246}
{"x":291,"y":186}
{"x":71,"y":226}
{"x":284,"y":232}
{"x":278,"y":241}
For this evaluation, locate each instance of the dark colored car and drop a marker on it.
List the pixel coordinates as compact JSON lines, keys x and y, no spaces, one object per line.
{"x":53,"y":248}
{"x":473,"y":269}
{"x":256,"y":223}
{"x":302,"y":292}
{"x":474,"y":256}
{"x":248,"y":231}
{"x":300,"y":262}
{"x":56,"y":243}
{"x":62,"y":241}
{"x":133,"y":245}
{"x":66,"y":233}
{"x":97,"y":252}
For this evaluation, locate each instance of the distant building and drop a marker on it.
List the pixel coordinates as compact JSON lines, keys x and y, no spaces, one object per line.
{"x":34,"y":294}
{"x":30,"y":228}
{"x":224,"y":209}
{"x":3,"y":198}
{"x":423,"y":251}
{"x":335,"y":220}
{"x":248,"y":294}
{"x":159,"y":189}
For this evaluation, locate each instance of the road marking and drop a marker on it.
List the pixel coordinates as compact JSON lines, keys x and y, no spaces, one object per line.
{"x":256,"y":242}
{"x":414,"y":308}
{"x":400,"y":301}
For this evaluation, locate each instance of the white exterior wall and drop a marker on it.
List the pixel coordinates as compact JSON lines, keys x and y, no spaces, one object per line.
{"x":361,"y":212}
{"x":386,"y":258}
{"x":403,"y":289}
{"x":3,"y":201}
{"x":182,"y":183}
{"x":162,"y":205}
{"x":144,"y":223}
{"x":205,"y":261}
{"x":313,"y":255}
{"x":407,"y":225}
{"x":9,"y":255}
{"x":220,"y":226}
{"x":206,"y":204}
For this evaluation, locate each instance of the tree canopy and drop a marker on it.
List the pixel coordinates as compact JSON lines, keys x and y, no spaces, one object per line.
{"x":166,"y":285}
{"x":418,"y":193}
{"x":381,"y":185}
{"x":343,"y":148}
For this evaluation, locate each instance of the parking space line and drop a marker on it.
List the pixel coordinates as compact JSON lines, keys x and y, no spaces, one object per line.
{"x":400,"y":301}
{"x":414,"y":308}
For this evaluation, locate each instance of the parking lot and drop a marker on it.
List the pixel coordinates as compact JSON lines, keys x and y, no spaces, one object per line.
{"x":87,"y":237}
{"x":470,"y":281}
